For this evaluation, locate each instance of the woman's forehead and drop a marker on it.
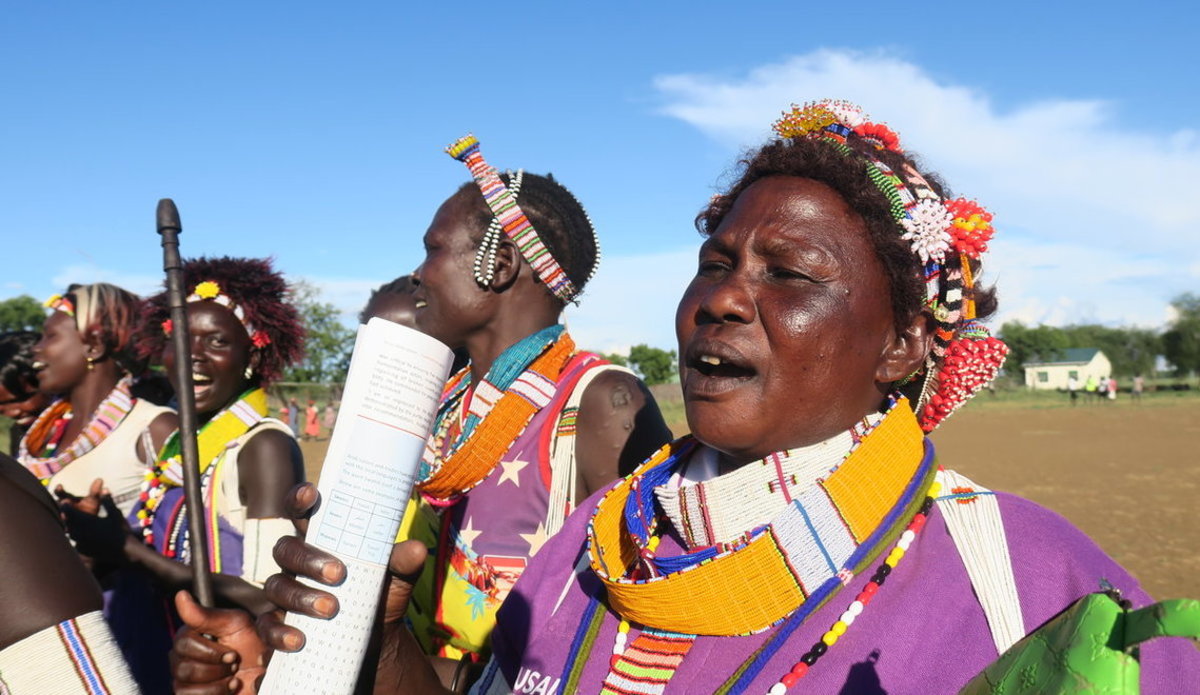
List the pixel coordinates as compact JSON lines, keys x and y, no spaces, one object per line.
{"x":784,"y":213}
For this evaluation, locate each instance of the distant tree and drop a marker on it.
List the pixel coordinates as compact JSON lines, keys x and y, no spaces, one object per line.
{"x":1131,"y":350}
{"x":21,"y":313}
{"x":1036,"y":344}
{"x":656,"y":366}
{"x":328,"y":343}
{"x":617,"y":359}
{"x":1181,"y":341}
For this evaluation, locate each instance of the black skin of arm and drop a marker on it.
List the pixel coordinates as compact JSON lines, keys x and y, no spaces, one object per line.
{"x":44,"y":581}
{"x":619,"y":426}
{"x":269,"y":464}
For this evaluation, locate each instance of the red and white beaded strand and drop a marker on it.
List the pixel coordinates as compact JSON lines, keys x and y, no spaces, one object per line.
{"x":831,"y":636}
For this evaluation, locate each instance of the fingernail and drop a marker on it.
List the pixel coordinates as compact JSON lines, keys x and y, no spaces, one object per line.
{"x":229,"y":657}
{"x":324,"y":605}
{"x":234,"y":685}
{"x":330,"y":572}
{"x":293,"y":642}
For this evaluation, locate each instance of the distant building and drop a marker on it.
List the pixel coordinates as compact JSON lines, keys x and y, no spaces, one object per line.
{"x":1080,"y":363}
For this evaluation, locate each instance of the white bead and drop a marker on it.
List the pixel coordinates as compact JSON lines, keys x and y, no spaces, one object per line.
{"x":777,"y":689}
{"x":908,"y":535}
{"x":847,"y":618}
{"x":856,"y":608}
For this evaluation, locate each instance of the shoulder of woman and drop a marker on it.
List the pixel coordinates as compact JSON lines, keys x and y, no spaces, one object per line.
{"x":613,"y":391}
{"x":1054,"y":563}
{"x":161,"y":428}
{"x":269,"y":443}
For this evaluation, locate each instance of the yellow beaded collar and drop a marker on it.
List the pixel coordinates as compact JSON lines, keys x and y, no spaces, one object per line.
{"x":758,"y":584}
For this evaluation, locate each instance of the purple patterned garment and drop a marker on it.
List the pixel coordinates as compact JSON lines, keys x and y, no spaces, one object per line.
{"x":923,"y":633}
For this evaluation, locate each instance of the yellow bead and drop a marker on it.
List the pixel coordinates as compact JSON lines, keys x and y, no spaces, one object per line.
{"x":623,"y":627}
{"x":654,"y":541}
{"x":141,"y":514}
{"x":829,"y":638}
{"x":839,"y":628}
{"x":893,"y":557}
{"x":935,"y":489}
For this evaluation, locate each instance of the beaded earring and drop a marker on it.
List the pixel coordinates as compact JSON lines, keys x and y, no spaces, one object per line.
{"x":485,"y":255}
{"x":91,"y":363}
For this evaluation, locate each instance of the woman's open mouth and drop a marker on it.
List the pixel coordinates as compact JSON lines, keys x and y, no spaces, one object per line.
{"x":712,"y":368}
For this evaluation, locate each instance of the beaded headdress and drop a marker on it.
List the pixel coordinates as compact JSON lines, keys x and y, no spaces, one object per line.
{"x":60,"y":303}
{"x":965,"y":357}
{"x":211,"y":292}
{"x":509,"y":218}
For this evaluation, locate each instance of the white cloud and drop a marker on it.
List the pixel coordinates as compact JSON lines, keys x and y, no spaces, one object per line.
{"x":87,"y":273}
{"x":1096,"y":220}
{"x":632,"y":300}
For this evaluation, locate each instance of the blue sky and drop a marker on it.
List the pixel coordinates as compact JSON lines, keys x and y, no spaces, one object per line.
{"x":312,"y":132}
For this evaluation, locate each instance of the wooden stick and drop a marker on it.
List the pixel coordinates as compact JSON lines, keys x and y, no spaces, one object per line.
{"x":169,"y":228}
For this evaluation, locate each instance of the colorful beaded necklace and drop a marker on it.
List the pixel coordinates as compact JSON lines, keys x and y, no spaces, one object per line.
{"x":212,"y":440}
{"x":38,"y":451}
{"x":521,"y":382}
{"x":881,"y":482}
{"x":827,"y":533}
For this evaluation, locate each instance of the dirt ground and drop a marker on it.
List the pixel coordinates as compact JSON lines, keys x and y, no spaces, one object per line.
{"x":1129,"y":477}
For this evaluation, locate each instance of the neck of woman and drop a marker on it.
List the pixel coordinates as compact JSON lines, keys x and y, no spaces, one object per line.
{"x":87,"y":396}
{"x":485,"y":347}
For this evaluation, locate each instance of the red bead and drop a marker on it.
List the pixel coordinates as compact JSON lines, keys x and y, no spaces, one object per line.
{"x":144,"y":496}
{"x":800,"y":669}
{"x":789,"y":680}
{"x":918,"y":523}
{"x":612,"y":663}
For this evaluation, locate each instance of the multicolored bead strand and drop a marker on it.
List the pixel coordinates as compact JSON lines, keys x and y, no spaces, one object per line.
{"x":864,"y":598}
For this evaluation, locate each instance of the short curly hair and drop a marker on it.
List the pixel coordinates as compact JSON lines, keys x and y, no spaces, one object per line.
{"x":263,"y":295}
{"x":560,"y":220}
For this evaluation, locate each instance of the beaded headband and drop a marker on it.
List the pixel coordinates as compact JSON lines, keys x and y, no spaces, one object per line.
{"x":60,"y":303}
{"x":937,"y":230}
{"x":509,"y":218}
{"x":211,"y":292}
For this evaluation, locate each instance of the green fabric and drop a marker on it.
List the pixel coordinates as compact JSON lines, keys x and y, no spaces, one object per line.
{"x":1091,"y":647}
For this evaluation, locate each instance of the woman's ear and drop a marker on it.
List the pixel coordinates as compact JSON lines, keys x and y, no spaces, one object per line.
{"x":94,"y":346}
{"x":906,"y":349}
{"x":508,"y":265}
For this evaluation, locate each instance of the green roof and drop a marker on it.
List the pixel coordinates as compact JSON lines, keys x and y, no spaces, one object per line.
{"x":1071,"y":356}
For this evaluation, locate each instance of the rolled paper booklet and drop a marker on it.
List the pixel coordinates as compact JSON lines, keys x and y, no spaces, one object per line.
{"x":388,"y":408}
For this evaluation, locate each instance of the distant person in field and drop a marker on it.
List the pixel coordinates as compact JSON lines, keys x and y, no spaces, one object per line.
{"x":1112,"y":388}
{"x":1090,"y":387}
{"x":1073,"y":388}
{"x":1139,"y":385}
{"x":294,"y":416}
{"x":330,"y":417}
{"x":312,"y":421}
